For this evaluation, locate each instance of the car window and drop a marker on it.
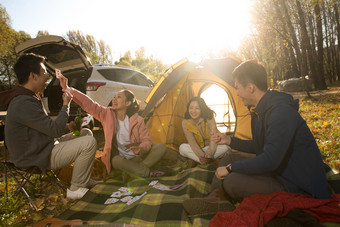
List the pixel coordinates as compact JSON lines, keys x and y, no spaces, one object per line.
{"x":109,"y":74}
{"x":142,"y":80}
{"x":125,"y":76}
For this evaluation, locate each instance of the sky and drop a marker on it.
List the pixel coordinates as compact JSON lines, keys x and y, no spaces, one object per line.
{"x":168,"y":29}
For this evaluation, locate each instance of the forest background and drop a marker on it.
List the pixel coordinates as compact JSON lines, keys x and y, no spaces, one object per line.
{"x":292,"y":38}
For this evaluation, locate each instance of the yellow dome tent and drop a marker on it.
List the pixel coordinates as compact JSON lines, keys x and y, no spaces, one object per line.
{"x":167,"y":102}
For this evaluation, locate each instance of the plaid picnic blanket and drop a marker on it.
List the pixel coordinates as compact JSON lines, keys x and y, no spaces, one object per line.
{"x":155,"y":208}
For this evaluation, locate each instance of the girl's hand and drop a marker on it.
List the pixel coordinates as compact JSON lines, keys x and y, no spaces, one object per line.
{"x":135,"y":149}
{"x":63,"y":82}
{"x":208,"y":155}
{"x":203,"y":159}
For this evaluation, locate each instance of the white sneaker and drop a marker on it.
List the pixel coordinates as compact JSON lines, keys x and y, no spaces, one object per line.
{"x":77,"y":194}
{"x":92,"y":182}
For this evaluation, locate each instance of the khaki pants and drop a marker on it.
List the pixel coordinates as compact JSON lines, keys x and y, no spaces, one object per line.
{"x":140,"y":165}
{"x":81,"y":150}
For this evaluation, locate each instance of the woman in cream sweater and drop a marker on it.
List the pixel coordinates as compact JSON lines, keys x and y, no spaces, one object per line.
{"x":198,"y":124}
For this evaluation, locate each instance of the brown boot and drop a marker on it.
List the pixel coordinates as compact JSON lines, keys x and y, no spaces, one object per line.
{"x":215,"y":201}
{"x":215,"y":195}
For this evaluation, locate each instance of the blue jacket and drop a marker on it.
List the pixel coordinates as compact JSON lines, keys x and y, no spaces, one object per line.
{"x":284,"y":146}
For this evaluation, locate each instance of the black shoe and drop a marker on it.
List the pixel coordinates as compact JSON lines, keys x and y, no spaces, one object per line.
{"x":201,"y":206}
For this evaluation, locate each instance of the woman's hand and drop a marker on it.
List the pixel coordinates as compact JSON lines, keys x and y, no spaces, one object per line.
{"x":203,"y":159}
{"x":136,"y":150}
{"x":208,"y":154}
{"x":221,"y":172}
{"x":63,"y":82}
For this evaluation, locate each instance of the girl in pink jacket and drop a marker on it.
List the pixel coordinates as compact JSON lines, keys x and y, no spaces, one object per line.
{"x":128,"y":145}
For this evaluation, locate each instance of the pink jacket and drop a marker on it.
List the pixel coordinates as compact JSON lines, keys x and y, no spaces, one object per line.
{"x":139,"y":133}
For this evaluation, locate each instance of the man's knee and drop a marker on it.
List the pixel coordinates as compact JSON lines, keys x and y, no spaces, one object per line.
{"x":230,"y":185}
{"x":86,"y":132}
{"x":225,"y":160}
{"x":89,"y":144}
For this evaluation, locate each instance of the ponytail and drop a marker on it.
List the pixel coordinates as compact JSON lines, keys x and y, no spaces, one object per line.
{"x":134,"y":107}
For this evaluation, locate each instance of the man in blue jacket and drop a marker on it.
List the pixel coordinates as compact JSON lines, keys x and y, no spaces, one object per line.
{"x":282,"y":155}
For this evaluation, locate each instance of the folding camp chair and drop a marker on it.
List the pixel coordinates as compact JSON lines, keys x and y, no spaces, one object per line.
{"x":22,"y":178}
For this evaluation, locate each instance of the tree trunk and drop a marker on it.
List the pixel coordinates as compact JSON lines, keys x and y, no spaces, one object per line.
{"x":320,"y":73}
{"x":327,"y":62}
{"x":302,"y":67}
{"x":337,"y":53}
{"x":294,"y":72}
{"x":306,"y":43}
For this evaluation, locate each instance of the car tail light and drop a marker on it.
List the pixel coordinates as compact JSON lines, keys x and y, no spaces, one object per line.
{"x":93,"y":86}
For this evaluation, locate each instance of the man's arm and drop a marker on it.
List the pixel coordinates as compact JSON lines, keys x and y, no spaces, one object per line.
{"x":33,"y":116}
{"x":235,"y":143}
{"x":247,"y":146}
{"x":280,"y":130}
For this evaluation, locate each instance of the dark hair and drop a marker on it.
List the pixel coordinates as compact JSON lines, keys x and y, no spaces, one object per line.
{"x":134,"y":107}
{"x":251,"y":71}
{"x":26,"y":64}
{"x":206,"y":112}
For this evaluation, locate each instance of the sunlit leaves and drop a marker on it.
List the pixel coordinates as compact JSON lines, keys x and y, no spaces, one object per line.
{"x":97,"y":51}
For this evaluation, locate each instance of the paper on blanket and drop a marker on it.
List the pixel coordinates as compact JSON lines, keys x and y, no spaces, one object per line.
{"x":136,"y":198}
{"x":123,"y":189}
{"x":111,"y":200}
{"x":127,"y":193}
{"x":152,"y":183}
{"x":126,"y":199}
{"x":116,"y":194}
{"x":161,"y":187}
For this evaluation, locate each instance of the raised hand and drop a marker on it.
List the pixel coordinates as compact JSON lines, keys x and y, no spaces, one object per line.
{"x":63,"y":82}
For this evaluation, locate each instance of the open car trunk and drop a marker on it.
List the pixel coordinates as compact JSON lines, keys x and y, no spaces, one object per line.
{"x":67,"y":57}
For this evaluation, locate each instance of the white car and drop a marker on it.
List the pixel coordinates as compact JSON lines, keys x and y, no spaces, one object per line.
{"x":100,"y":82}
{"x":106,"y":80}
